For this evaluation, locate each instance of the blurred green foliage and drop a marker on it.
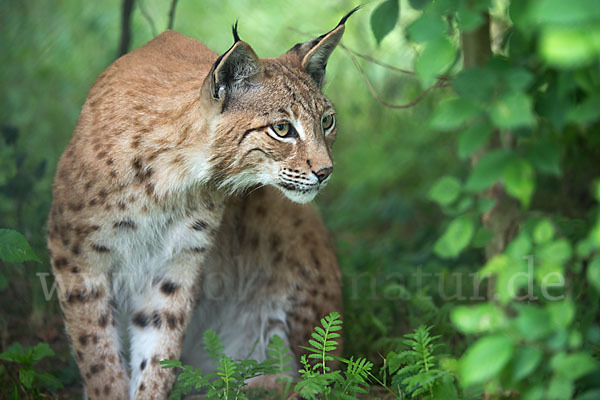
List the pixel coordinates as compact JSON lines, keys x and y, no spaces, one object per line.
{"x":446,"y":213}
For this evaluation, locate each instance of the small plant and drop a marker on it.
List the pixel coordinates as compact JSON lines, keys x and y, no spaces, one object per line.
{"x":28,"y":381}
{"x":318,"y":378}
{"x":416,"y":369}
{"x":229,"y":381}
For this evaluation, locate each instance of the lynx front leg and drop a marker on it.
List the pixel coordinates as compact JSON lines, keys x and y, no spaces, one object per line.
{"x":85,"y":298}
{"x":158,"y":323}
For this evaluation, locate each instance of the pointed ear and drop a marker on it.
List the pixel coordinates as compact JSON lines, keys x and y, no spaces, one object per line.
{"x":234,"y":70}
{"x":315,"y":53}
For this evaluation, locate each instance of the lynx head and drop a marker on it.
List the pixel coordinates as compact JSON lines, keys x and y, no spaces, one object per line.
{"x":271,"y":123}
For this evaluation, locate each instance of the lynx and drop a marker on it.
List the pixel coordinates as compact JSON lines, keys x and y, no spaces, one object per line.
{"x":181,"y":197}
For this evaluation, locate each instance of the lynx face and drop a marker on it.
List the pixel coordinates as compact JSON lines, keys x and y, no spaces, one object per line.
{"x":275,"y":127}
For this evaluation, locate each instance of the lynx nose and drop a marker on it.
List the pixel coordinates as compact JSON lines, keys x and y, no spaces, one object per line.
{"x":323,"y":173}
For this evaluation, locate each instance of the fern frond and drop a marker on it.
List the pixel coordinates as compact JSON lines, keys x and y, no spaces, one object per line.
{"x":213,"y":344}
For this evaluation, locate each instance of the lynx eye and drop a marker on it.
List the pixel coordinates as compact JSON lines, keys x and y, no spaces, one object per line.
{"x":281,"y":129}
{"x":328,"y":121}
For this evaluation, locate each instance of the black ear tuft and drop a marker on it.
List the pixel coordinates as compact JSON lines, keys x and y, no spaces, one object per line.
{"x":315,"y":53}
{"x":236,"y":37}
{"x":345,"y":18}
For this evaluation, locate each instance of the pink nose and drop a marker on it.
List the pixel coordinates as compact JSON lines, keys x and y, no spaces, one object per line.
{"x":323,"y":173}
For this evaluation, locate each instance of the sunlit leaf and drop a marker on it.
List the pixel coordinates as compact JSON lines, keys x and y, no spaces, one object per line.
{"x":561,"y":313}
{"x":484,"y":359}
{"x":543,"y":231}
{"x":477,"y":319}
{"x":456,"y":237}
{"x":519,"y":180}
{"x":512,"y":110}
{"x":570,"y":46}
{"x":445,"y":191}
{"x":435,"y":60}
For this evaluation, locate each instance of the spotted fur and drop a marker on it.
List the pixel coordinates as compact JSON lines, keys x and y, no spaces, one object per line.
{"x":161,"y":186}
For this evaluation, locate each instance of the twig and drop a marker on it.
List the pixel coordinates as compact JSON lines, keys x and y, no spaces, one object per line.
{"x":147,"y":16}
{"x":172,"y":14}
{"x":439,"y":84}
{"x":376,"y":61}
{"x":385,"y":65}
{"x":125,"y":27}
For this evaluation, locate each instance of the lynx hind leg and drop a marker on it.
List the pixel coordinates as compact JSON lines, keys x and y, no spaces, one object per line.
{"x":85,"y":299}
{"x":312,"y":305}
{"x":158,"y":323}
{"x":274,"y":382}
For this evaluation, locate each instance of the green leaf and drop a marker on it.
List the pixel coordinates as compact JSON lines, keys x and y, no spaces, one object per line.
{"x":27,"y":376}
{"x":476,"y":84}
{"x":560,"y":388}
{"x":40,"y":351}
{"x":519,"y":180}
{"x":437,"y":57}
{"x":517,"y":79}
{"x":587,"y":111}
{"x":484,"y":359}
{"x":14,"y":353}
{"x":525,"y":362}
{"x":48,"y":379}
{"x":532,"y":323}
{"x":473,"y":138}
{"x":468,"y":20}
{"x":477,"y":319}
{"x":427,"y":28}
{"x":445,"y":191}
{"x":456,"y":238}
{"x":14,"y":247}
{"x":512,"y":110}
{"x":593,"y":273}
{"x":488,"y":170}
{"x":556,"y":252}
{"x":451,"y":114}
{"x":384,"y":18}
{"x":561,"y":313}
{"x":543,"y":232}
{"x":545,"y":157}
{"x":445,"y":388}
{"x":535,"y":392}
{"x":394,"y":362}
{"x":573,"y":366}
{"x":563,"y":12}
